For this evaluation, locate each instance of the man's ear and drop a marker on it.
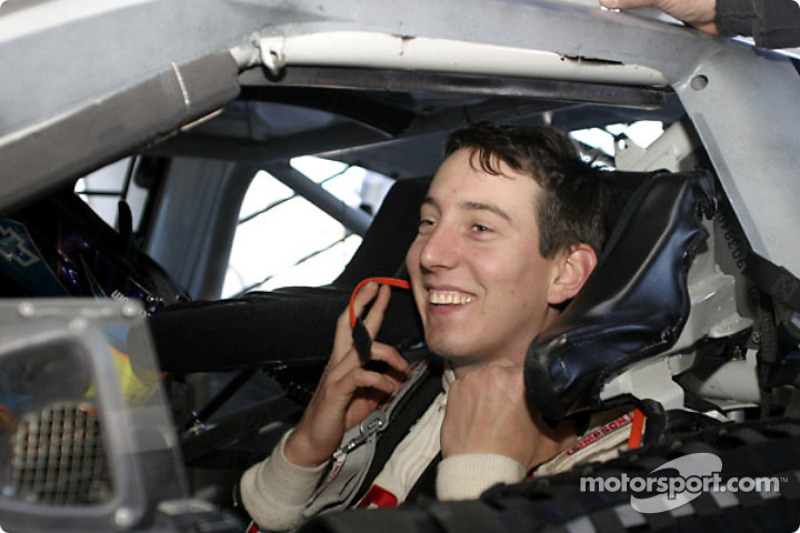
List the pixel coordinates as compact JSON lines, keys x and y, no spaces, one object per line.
{"x":574,"y":266}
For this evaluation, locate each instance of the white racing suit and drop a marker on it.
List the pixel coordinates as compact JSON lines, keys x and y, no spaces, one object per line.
{"x":279,"y":496}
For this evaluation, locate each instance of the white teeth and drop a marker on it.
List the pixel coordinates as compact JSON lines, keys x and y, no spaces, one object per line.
{"x":449,"y":297}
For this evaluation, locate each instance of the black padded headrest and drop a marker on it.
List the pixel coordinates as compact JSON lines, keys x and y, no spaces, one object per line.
{"x":636,"y":301}
{"x":383,"y":250}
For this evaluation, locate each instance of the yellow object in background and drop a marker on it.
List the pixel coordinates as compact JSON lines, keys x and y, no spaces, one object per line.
{"x":8,"y":422}
{"x":138,"y":386}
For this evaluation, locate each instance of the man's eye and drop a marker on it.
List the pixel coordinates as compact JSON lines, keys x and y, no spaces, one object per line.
{"x":480,"y":228}
{"x":425,"y":226}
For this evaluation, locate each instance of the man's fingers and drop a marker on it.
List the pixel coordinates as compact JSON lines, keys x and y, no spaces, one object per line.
{"x":390,"y":355}
{"x":699,"y":13}
{"x":343,"y":339}
{"x":374,"y":318}
{"x":371,"y":380}
{"x":626,"y":4}
{"x":351,"y":363}
{"x":364,"y":295}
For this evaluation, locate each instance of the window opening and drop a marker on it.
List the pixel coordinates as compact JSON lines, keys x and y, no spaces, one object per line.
{"x":104,"y":188}
{"x":598,"y":143}
{"x":280,"y":201}
{"x":284,"y":240}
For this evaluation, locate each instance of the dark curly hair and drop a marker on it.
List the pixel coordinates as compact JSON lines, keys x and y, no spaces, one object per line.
{"x":572,"y":208}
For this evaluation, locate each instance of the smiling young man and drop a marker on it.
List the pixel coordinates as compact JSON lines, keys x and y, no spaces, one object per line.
{"x":508,"y":234}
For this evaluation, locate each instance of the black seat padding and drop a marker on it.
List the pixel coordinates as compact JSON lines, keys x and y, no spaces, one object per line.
{"x":295,"y":325}
{"x":383,"y":250}
{"x":635,"y":303}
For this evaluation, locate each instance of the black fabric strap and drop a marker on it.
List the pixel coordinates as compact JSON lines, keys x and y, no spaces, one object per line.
{"x":776,"y":281}
{"x":772,"y":23}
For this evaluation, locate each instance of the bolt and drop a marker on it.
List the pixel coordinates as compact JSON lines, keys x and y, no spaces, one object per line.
{"x":26,"y":309}
{"x":78,"y":325}
{"x":129,"y":310}
{"x":124,"y":518}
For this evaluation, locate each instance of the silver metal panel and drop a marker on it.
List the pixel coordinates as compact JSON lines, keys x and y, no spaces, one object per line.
{"x":748,"y":124}
{"x":745,"y":114}
{"x":58,"y":54}
{"x":84,"y":83}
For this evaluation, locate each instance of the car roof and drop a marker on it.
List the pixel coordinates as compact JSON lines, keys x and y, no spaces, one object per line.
{"x":86,"y":83}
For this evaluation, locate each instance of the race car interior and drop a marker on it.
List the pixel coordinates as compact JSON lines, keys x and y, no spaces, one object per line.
{"x":681,"y":318}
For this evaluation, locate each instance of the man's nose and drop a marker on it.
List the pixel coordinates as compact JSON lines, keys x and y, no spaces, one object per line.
{"x":440,"y":249}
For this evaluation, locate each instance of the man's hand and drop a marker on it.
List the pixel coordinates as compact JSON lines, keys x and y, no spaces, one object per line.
{"x":698,"y":13}
{"x":487,"y":412}
{"x":347,"y":393}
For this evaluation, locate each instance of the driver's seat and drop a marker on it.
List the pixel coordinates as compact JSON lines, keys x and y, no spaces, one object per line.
{"x":613,"y":343}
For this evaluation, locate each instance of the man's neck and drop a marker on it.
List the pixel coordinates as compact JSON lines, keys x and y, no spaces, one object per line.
{"x":466,"y":365}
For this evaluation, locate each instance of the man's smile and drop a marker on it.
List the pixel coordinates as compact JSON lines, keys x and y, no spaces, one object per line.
{"x":449,"y":297}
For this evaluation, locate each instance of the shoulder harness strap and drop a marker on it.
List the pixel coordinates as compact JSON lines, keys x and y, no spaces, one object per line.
{"x":359,"y":458}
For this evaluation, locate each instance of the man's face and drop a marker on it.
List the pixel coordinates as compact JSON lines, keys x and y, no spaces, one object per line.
{"x":479,"y":281}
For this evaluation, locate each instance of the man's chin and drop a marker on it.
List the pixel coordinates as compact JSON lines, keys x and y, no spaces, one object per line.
{"x":451,"y":351}
{"x":441,"y":347}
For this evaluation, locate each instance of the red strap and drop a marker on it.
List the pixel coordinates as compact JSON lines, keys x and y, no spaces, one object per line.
{"x":637,"y":430}
{"x":377,"y":496}
{"x":394,"y":282}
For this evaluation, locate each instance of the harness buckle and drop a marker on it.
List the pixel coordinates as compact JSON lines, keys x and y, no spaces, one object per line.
{"x":374,"y":422}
